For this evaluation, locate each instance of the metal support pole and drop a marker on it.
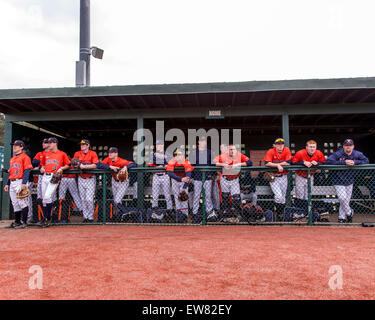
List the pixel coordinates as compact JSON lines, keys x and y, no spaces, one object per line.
{"x":104,"y":186}
{"x":285,"y":128}
{"x":140,"y":174}
{"x":8,"y":136}
{"x":84,"y":37}
{"x":309,"y":206}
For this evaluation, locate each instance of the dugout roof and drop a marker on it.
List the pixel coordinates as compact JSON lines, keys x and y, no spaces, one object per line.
{"x":195,"y":95}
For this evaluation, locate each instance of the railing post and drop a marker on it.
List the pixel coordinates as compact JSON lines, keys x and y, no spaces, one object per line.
{"x":204,"y":199}
{"x":104,"y":185}
{"x":309,"y":206}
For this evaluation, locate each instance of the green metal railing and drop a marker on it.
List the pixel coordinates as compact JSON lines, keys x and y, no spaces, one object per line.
{"x":138,"y":206}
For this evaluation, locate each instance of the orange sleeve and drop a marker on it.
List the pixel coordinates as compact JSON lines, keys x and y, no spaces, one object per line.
{"x":38,"y":156}
{"x":218,"y":159}
{"x":244,"y":158}
{"x":170,"y":165}
{"x":76,"y":155}
{"x":268,"y":156}
{"x":94,"y":157}
{"x":322,"y":158}
{"x":188,"y":166}
{"x":288,"y":154}
{"x":297,"y":157}
{"x":27,"y":163}
{"x":106,"y":161}
{"x":125,"y":163}
{"x":66,"y":160}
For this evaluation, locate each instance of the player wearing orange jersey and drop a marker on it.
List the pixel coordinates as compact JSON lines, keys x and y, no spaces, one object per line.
{"x":54,"y":161}
{"x":308,"y":157}
{"x":19,"y":171}
{"x":180,"y":182}
{"x":115,"y":163}
{"x":87,"y":182}
{"x":231,"y":162}
{"x":278,"y":157}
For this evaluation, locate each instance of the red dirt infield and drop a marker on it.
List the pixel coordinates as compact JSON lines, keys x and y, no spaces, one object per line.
{"x":187,"y":262}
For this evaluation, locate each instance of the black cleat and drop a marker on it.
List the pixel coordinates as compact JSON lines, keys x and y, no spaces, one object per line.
{"x":20,"y":226}
{"x":349,"y":219}
{"x":342,"y":221}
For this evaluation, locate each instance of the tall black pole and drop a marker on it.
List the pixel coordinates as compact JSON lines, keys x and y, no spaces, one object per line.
{"x":84,"y":37}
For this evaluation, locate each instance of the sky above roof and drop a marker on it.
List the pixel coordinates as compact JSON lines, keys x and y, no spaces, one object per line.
{"x":169,"y":41}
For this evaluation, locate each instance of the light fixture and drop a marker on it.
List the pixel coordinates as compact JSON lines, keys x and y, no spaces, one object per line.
{"x":97,"y":52}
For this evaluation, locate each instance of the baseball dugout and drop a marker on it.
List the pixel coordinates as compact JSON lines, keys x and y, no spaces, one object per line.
{"x":320,"y":195}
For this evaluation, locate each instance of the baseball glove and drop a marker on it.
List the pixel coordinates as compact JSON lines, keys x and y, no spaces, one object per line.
{"x":269,"y":176}
{"x":75,"y":162}
{"x":22,"y":194}
{"x":183,"y":196}
{"x":123,"y":174}
{"x":56,"y":178}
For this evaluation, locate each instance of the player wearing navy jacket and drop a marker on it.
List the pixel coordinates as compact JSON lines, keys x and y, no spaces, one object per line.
{"x":343,"y":179}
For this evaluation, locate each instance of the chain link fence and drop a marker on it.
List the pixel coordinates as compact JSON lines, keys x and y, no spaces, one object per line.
{"x":323,"y":195}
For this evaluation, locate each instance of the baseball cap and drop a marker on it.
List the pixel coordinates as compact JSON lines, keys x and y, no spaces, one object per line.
{"x":178,"y":152}
{"x":19,"y":143}
{"x":348,"y":142}
{"x":84,"y":141}
{"x":279,"y":141}
{"x":113,"y":150}
{"x":45,"y":140}
{"x":53,"y":140}
{"x":159,"y":142}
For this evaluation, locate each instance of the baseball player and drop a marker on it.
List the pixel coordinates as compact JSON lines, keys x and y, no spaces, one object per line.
{"x":161,"y":182}
{"x":36,"y":163}
{"x":29,"y":184}
{"x":278,"y":157}
{"x":231,"y":162}
{"x":216,"y":189}
{"x":343,"y":179}
{"x":87,"y":181}
{"x":180,"y":182}
{"x":115,"y":163}
{"x":54,"y":161}
{"x":69,"y":183}
{"x":202,"y":157}
{"x":19,"y":171}
{"x":308,"y":157}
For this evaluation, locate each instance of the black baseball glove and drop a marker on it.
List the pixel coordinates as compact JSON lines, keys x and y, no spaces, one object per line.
{"x":183,"y":196}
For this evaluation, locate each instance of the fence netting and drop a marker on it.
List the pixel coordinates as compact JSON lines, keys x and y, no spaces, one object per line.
{"x":257,"y":195}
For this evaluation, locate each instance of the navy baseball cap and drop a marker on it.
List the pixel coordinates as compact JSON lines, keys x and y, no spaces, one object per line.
{"x":18,"y":143}
{"x":159,"y":142}
{"x":178,"y":152}
{"x":53,"y":140}
{"x":45,"y":140}
{"x":84,"y":141}
{"x":113,"y":150}
{"x":348,"y":142}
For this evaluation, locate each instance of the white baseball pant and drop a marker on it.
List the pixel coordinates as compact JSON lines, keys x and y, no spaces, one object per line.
{"x":87,"y":190}
{"x":302,"y":187}
{"x":161,"y":182}
{"x":119,"y":189}
{"x":18,"y":204}
{"x":197,"y":195}
{"x":344,"y":193}
{"x":230,"y":186}
{"x":216,"y":192}
{"x":279,"y":187}
{"x":48,"y":189}
{"x":71,"y":185}
{"x":39,"y":187}
{"x":180,"y":206}
{"x":30,"y":202}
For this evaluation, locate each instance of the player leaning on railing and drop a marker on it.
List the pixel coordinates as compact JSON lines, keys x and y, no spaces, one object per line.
{"x":343,"y":180}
